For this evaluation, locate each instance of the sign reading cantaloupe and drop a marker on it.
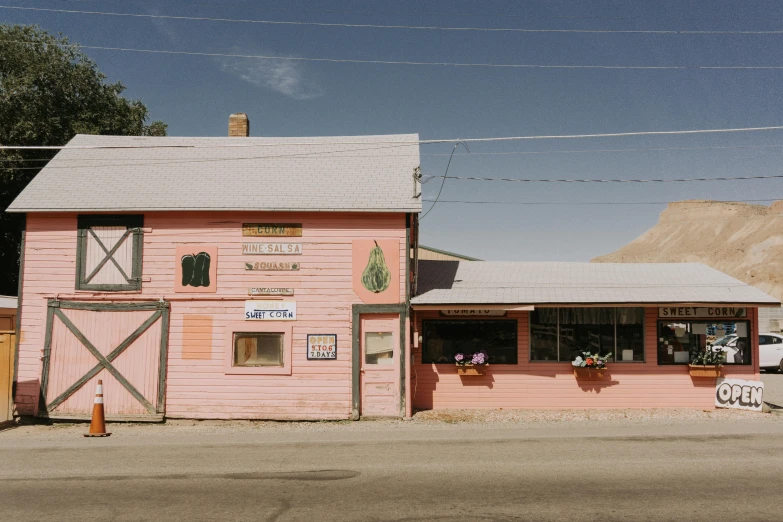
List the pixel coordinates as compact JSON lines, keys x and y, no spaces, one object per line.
{"x":376,"y":270}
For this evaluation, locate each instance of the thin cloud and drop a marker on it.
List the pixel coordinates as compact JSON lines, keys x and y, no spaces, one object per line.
{"x":282,"y":76}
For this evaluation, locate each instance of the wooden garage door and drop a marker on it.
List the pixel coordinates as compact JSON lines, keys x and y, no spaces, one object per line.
{"x":125,"y":345}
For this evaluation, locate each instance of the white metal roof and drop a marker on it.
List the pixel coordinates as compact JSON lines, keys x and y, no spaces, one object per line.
{"x":352,"y":174}
{"x":508,"y":282}
{"x":7,"y":301}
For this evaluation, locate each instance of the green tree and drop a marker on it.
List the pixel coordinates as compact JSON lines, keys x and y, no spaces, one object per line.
{"x":49,"y":92}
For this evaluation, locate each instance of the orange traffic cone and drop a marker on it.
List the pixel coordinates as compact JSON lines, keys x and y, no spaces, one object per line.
{"x":98,"y":423}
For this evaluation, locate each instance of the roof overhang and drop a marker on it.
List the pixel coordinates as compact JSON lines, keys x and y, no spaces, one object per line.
{"x":508,"y":307}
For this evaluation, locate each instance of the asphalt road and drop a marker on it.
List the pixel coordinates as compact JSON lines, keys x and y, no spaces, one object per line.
{"x":417,"y":477}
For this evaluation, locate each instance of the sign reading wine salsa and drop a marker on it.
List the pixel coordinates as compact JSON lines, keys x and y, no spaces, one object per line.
{"x":321,"y":347}
{"x":272,"y":229}
{"x":263,"y":265}
{"x":272,"y":248}
{"x":270,"y":291}
{"x":270,"y":310}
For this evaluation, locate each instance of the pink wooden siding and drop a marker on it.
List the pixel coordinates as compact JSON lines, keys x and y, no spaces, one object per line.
{"x":553,"y":385}
{"x":197,"y":386}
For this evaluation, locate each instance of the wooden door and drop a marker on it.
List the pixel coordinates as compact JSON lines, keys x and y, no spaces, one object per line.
{"x":125,"y":345}
{"x":7,"y":345}
{"x":380,"y":359}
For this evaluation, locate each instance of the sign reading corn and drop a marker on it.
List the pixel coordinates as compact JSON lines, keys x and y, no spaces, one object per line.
{"x":272,"y":229}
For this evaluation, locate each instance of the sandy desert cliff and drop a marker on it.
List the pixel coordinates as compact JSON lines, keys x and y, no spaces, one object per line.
{"x":740,"y":239}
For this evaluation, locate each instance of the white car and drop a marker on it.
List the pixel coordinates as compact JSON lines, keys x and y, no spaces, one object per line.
{"x":771,"y":351}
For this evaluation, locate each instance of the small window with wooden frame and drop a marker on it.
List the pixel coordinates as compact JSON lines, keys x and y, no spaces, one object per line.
{"x":108,"y":252}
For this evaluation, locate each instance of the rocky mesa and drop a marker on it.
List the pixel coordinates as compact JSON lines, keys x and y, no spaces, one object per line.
{"x":740,"y":239}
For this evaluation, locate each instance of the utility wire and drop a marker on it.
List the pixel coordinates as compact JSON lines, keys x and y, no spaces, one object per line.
{"x":605,"y":203}
{"x":445,"y":175}
{"x":433,"y":154}
{"x":417,"y":63}
{"x":683,"y":180}
{"x":403,"y":27}
{"x":393,"y":143}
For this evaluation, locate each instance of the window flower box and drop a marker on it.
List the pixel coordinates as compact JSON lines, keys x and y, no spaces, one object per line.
{"x":589,"y":374}
{"x":472,"y":363}
{"x":472,"y":369}
{"x":590,"y":366}
{"x":704,"y":370}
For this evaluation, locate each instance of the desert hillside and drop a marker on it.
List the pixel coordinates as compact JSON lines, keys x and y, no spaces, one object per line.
{"x":742,"y":240}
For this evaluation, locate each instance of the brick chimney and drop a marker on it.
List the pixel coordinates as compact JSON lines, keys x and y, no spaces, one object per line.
{"x":238,"y":125}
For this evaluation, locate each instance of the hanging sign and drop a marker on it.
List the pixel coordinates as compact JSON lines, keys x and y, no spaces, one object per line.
{"x":716,"y":312}
{"x":270,"y":310}
{"x":321,"y":347}
{"x":272,"y":229}
{"x":270,"y":291}
{"x":272,"y":248}
{"x":474,"y":312}
{"x":739,"y":394}
{"x":262,"y":265}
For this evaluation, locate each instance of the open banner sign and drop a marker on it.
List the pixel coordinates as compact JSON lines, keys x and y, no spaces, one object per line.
{"x":739,"y":394}
{"x":321,"y":347}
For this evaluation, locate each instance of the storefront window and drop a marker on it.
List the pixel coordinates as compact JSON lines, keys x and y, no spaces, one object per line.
{"x":443,"y":339}
{"x":562,"y":334}
{"x":680,"y":341}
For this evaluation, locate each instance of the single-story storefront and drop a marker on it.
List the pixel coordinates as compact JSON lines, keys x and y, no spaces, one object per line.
{"x":532,"y":320}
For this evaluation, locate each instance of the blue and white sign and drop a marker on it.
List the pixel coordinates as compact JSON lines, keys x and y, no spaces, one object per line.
{"x":270,"y":310}
{"x":739,"y":394}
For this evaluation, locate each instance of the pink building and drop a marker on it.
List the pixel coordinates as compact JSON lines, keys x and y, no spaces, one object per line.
{"x":534,"y":319}
{"x":218,"y":278}
{"x":276,"y":278}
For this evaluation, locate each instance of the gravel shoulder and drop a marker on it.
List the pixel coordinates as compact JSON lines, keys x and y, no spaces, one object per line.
{"x":443,"y":425}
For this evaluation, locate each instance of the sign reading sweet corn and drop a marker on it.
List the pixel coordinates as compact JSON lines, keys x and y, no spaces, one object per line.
{"x":270,"y":310}
{"x":321,"y":347}
{"x":272,"y":229}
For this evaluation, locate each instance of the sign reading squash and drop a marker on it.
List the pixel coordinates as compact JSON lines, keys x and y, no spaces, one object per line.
{"x":376,"y":270}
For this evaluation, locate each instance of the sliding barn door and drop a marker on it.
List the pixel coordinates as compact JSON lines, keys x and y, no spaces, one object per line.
{"x":125,"y":345}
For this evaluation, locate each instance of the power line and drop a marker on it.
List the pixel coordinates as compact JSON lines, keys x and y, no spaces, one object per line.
{"x":399,"y":143}
{"x":417,"y":63}
{"x":683,"y":180}
{"x":445,"y":175}
{"x":471,"y":14}
{"x":435,"y":154}
{"x":397,"y":26}
{"x":605,"y":203}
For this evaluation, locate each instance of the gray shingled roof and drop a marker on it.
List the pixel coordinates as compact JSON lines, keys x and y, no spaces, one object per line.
{"x":351,"y":173}
{"x":495,"y":282}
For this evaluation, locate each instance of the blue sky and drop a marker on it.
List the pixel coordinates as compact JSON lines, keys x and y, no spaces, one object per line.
{"x":195,"y":95}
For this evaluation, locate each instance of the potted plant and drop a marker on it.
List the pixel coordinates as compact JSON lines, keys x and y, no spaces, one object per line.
{"x":707,"y":363}
{"x":590,"y":365}
{"x":471,"y":363}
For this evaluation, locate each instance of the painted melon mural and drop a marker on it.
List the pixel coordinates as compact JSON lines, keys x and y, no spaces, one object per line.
{"x":376,"y":276}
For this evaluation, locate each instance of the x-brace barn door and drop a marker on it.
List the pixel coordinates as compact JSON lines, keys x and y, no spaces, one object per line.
{"x":125,"y":345}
